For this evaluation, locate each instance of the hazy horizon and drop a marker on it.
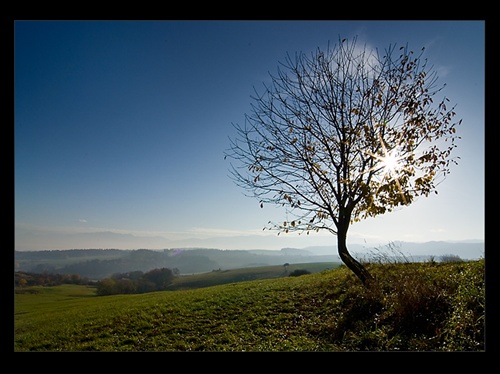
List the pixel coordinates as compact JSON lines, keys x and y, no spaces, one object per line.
{"x":252,"y":242}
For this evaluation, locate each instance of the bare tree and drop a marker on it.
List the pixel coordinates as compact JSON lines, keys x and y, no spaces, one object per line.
{"x":344,"y":134}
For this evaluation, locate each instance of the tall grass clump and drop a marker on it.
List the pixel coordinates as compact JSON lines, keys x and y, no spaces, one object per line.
{"x":465,"y":329}
{"x":418,"y":306}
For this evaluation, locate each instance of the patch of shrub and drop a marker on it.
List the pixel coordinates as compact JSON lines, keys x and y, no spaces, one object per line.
{"x":136,"y":282}
{"x":298,"y":272}
{"x":451,"y":258}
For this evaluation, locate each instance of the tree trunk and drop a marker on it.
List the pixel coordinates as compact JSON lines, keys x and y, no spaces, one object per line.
{"x":355,"y":266}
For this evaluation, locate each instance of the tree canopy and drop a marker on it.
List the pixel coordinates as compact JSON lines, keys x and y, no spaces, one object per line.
{"x":343,"y":134}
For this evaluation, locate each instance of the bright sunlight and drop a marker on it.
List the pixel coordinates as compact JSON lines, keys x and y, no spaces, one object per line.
{"x":390,"y":163}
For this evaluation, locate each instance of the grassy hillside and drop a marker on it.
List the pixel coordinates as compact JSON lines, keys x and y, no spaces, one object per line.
{"x":417,"y":307}
{"x":218,"y":277}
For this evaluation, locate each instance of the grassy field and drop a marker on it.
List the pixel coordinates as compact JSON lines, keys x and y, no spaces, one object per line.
{"x":417,"y":307}
{"x":246,"y":274}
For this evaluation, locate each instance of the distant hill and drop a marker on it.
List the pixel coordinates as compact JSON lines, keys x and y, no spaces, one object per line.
{"x":101,"y":263}
{"x":466,"y":250}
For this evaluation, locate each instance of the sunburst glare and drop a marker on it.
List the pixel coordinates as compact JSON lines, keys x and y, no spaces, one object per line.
{"x":390,"y":164}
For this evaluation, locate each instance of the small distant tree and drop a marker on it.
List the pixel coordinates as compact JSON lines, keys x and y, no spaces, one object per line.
{"x":286,"y":265}
{"x":344,"y":134}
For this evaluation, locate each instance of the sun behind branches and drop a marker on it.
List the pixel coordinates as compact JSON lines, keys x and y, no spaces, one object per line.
{"x":390,"y":163}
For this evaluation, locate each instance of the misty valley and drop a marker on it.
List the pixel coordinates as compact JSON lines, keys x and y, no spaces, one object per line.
{"x":100,"y":263}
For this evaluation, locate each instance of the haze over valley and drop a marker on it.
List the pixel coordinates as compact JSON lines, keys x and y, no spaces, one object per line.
{"x":99,"y":263}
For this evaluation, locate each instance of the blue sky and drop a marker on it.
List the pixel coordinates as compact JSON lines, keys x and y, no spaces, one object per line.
{"x":121,"y":127}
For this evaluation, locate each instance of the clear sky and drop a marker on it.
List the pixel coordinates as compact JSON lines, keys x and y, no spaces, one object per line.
{"x":121,"y":127}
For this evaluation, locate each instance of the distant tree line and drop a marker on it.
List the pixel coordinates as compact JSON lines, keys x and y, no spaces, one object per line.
{"x":27,"y":279}
{"x":99,"y":264}
{"x":136,"y":282}
{"x":119,"y":283}
{"x":447,"y":258}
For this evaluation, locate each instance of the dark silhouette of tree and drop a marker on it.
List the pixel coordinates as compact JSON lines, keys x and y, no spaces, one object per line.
{"x":344,"y":134}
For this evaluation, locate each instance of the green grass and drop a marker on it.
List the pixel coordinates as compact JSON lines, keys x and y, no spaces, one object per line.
{"x":245,"y":274}
{"x":417,"y":307}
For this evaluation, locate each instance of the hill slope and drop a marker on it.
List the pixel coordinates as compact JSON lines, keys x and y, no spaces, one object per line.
{"x":418,"y":307}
